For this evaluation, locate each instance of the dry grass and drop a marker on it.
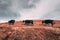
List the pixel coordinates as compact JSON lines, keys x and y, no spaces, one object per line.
{"x":27,"y":34}
{"x":18,"y":31}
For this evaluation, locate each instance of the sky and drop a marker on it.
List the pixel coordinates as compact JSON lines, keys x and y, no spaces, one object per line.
{"x":29,"y":9}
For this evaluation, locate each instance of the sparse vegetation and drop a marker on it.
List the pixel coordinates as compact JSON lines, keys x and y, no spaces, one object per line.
{"x":21,"y":32}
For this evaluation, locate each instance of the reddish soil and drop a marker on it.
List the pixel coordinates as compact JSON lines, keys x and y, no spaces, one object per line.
{"x":38,"y":31}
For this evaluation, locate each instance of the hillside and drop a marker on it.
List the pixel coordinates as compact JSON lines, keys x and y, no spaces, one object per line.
{"x":38,"y":31}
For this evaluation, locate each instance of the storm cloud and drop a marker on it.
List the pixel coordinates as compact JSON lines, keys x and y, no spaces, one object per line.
{"x":29,"y":9}
{"x":5,"y":10}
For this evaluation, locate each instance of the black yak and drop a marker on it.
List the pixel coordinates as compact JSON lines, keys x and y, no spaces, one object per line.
{"x":28,"y":22}
{"x":11,"y":22}
{"x":48,"y":22}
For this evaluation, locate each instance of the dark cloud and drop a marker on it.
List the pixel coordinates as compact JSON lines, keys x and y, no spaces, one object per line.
{"x":5,"y":12}
{"x":27,"y":3}
{"x":9,"y":8}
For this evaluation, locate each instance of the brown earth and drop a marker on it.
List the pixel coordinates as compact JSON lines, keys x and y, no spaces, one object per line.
{"x":38,"y":31}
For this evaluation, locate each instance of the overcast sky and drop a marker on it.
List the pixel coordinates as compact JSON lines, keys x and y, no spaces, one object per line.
{"x":29,"y":9}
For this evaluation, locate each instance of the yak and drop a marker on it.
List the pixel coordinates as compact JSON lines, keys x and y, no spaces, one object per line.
{"x":48,"y":22}
{"x":11,"y":22}
{"x":28,"y":22}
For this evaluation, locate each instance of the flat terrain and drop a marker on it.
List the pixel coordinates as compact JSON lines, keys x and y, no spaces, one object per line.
{"x":38,"y":31}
